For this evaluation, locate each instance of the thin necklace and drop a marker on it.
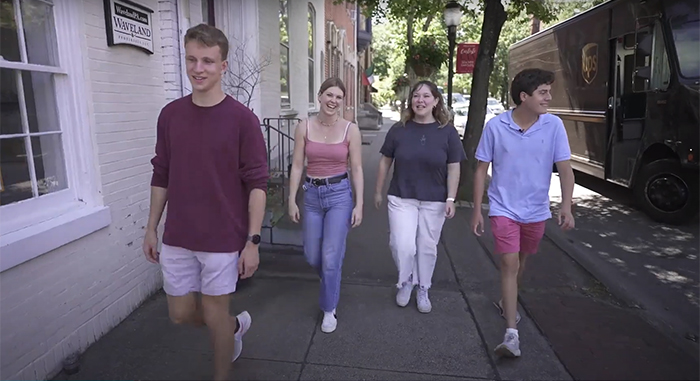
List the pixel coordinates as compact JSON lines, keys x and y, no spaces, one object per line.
{"x":326,"y":124}
{"x":325,"y":131}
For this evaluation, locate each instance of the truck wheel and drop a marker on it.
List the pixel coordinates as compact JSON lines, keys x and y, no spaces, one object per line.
{"x":666,"y":193}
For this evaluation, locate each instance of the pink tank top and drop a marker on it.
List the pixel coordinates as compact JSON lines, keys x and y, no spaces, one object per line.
{"x":326,"y":160}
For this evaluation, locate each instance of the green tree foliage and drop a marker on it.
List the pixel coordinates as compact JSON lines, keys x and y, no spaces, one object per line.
{"x":566,"y":9}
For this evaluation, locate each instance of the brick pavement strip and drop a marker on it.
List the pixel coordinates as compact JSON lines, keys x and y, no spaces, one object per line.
{"x":594,"y":334}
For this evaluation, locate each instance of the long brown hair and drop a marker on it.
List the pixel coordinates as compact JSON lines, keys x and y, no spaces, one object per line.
{"x":440,"y":112}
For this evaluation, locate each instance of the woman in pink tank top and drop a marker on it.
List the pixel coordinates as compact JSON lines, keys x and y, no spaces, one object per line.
{"x":330,"y":145}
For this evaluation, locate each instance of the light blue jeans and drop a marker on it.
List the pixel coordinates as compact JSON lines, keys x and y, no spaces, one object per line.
{"x":326,"y":222}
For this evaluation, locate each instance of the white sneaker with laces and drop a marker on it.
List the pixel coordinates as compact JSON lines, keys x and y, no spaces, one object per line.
{"x":244,"y":322}
{"x":403,"y":296}
{"x":424,"y":305}
{"x":330,"y":322}
{"x":510,"y":347}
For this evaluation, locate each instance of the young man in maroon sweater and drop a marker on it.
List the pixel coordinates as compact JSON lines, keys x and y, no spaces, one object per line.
{"x":211,"y":169}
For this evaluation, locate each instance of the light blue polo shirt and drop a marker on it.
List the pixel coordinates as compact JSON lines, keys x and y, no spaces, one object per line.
{"x":522,"y":165}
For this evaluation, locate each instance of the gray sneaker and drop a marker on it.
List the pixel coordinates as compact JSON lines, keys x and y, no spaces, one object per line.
{"x":403,"y":296}
{"x":424,"y":305}
{"x":510,"y":347}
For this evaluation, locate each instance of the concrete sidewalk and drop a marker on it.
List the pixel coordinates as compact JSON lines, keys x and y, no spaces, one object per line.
{"x":375,"y":339}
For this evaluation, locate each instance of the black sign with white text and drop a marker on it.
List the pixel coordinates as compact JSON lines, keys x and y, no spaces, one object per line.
{"x":129,"y":23}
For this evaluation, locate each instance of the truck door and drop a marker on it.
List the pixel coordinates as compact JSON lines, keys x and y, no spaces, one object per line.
{"x":641,"y":77}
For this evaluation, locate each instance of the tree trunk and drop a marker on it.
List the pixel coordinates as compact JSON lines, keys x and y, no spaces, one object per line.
{"x":406,"y":69}
{"x":427,"y":22}
{"x":494,"y":18}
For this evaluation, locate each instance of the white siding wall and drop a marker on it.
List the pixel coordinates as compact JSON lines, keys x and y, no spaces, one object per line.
{"x":320,"y":46}
{"x":64,"y":300}
{"x":269,"y":35}
{"x":239,"y":21}
{"x":189,"y":14}
{"x":171,"y":48}
{"x":298,"y":60}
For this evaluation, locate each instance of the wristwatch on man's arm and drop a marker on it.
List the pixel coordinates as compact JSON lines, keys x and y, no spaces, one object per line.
{"x":254,"y":238}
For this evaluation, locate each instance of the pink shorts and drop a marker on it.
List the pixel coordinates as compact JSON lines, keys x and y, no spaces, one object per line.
{"x":510,"y":236}
{"x":186,"y":271}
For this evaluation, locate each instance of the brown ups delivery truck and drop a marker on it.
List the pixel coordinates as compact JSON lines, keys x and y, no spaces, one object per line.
{"x":627,"y":88}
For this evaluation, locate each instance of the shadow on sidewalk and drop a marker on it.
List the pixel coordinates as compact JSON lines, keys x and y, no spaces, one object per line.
{"x":595,"y":334}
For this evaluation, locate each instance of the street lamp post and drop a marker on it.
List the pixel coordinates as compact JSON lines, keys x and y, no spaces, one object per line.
{"x":453,"y":15}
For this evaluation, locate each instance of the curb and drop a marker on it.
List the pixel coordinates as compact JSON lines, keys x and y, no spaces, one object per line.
{"x":609,"y":278}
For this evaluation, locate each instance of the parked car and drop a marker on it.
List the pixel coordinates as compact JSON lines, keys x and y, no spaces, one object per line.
{"x":461,"y":116}
{"x":458,"y":100}
{"x":460,"y":119}
{"x":495,"y":106}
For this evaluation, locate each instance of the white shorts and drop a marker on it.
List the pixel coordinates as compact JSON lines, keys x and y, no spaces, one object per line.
{"x":186,"y":271}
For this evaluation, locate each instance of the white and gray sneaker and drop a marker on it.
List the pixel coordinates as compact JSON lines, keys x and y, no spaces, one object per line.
{"x":244,"y":322}
{"x":403,"y":296}
{"x":510,"y":347}
{"x":330,"y":322}
{"x":424,"y":305}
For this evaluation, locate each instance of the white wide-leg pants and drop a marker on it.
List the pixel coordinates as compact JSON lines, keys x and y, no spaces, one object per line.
{"x":415,"y":228}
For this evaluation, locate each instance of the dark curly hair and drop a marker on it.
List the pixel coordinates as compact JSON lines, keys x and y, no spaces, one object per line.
{"x":528,"y":81}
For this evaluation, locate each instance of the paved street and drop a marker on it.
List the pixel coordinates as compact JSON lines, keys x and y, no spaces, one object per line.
{"x":572,"y":326}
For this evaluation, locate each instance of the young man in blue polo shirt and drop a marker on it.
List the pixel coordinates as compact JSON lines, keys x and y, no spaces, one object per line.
{"x":522,"y":144}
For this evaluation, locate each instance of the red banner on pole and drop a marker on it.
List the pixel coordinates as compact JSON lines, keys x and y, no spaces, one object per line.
{"x":466,"y":57}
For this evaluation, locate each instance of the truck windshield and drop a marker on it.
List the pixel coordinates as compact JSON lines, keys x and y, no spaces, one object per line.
{"x":686,"y":30}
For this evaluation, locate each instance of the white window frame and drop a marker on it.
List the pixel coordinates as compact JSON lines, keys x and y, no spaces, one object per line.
{"x":36,"y":226}
{"x":285,"y":105}
{"x":311,"y":19}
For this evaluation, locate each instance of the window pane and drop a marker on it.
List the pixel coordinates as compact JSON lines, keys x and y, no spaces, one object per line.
{"x":284,"y":74}
{"x":15,"y":183}
{"x":39,"y":95}
{"x":39,"y":32}
{"x":9,"y":42}
{"x":284,"y":23}
{"x":49,"y":164}
{"x":10,"y":121}
{"x":685,"y":36}
{"x":312,"y":86}
{"x":311,"y":31}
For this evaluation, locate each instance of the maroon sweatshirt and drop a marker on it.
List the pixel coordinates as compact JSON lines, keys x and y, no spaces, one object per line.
{"x":209,"y":159}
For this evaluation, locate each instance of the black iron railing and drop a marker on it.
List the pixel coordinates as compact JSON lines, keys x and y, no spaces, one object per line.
{"x":279,"y":137}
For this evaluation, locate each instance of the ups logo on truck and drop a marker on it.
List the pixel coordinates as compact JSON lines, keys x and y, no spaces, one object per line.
{"x":589,"y":62}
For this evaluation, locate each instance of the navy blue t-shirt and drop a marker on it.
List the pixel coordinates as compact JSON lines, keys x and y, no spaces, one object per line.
{"x":421,"y":153}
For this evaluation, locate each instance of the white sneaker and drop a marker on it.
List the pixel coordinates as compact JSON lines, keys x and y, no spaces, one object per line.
{"x":510,"y":347}
{"x":330,"y":322}
{"x":403,"y":296}
{"x":244,"y":322}
{"x":424,"y":305}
